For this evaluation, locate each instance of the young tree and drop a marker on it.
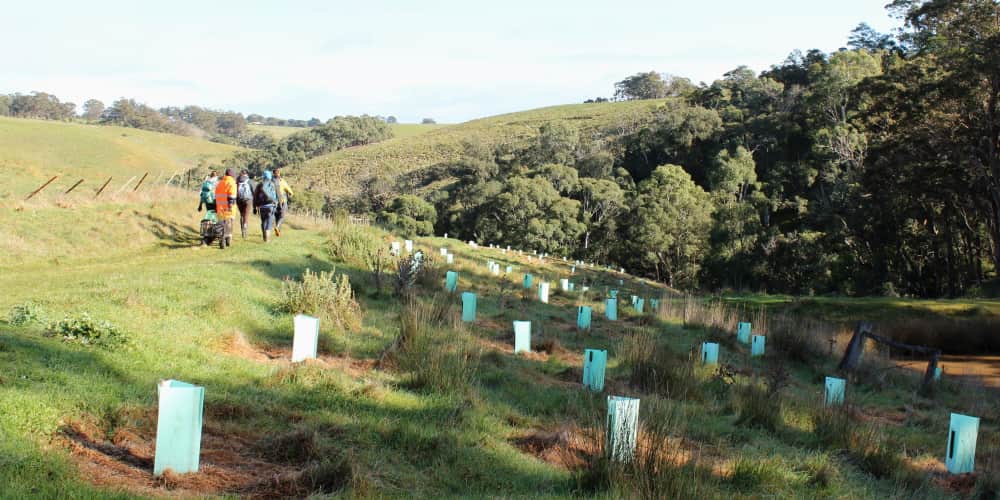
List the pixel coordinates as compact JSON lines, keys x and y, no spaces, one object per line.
{"x":670,"y":227}
{"x":93,"y":109}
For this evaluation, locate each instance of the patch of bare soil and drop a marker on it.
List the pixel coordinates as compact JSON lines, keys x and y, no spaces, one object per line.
{"x":568,"y":446}
{"x":980,"y":370}
{"x":238,"y":345}
{"x":230,"y":464}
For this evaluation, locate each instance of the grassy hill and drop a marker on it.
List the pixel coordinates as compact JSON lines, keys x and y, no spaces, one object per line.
{"x":32,"y":151}
{"x":448,"y":411}
{"x":398,"y":129}
{"x":339,"y":172}
{"x":405,"y":399}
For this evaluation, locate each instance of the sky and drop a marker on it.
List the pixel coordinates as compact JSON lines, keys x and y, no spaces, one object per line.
{"x":448,"y":60}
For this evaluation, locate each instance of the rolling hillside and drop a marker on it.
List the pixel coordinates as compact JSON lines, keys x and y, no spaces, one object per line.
{"x":32,"y":151}
{"x":339,"y":172}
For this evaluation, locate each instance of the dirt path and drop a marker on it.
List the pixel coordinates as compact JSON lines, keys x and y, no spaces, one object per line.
{"x":982,"y":369}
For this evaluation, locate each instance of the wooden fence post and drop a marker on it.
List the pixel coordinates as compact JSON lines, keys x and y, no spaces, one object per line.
{"x":140,"y":181}
{"x":99,"y":191}
{"x":70,"y":190}
{"x":39,"y":190}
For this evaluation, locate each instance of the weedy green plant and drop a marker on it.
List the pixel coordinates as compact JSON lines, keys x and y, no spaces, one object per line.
{"x":658,"y":369}
{"x":86,"y":330}
{"x":433,"y":346}
{"x":325,"y":295}
{"x":26,"y":314}
{"x":749,"y":474}
{"x":760,"y":406}
{"x":659,"y":468}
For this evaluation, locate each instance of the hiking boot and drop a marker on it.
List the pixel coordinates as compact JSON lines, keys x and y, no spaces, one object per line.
{"x":265,"y":236}
{"x":277,"y":232}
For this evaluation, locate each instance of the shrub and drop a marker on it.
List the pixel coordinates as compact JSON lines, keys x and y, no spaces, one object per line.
{"x":325,"y":296}
{"x":26,"y":314}
{"x":87,"y":331}
{"x":353,"y":244}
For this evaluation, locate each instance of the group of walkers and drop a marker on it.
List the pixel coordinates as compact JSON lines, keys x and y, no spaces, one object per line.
{"x":267,"y":197}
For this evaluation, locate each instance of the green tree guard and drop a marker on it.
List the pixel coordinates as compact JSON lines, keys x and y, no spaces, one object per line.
{"x":962,"y":435}
{"x":583,"y":317}
{"x":710,"y":353}
{"x":757,"y":346}
{"x":835,"y":391}
{"x":305,"y":341}
{"x":522,"y":336}
{"x":178,"y":427}
{"x":527,"y":281}
{"x":594,"y":363}
{"x":451,"y":281}
{"x":623,"y":428}
{"x":613,"y":293}
{"x":468,"y":307}
{"x":640,"y":304}
{"x":611,"y":309}
{"x":743,"y":333}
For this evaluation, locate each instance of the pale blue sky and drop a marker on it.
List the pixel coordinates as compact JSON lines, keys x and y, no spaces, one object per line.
{"x":450,"y":60}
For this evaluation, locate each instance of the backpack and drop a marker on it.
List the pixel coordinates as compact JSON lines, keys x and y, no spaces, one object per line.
{"x":244,"y":192}
{"x":208,"y":193}
{"x":270,"y":190}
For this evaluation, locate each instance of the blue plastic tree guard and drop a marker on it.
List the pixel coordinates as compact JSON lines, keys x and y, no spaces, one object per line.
{"x":594,"y":363}
{"x":522,"y":336}
{"x":468,"y":307}
{"x":583,"y":317}
{"x":743,"y":333}
{"x":572,"y":286}
{"x":306,"y":339}
{"x":451,"y":281}
{"x":178,"y":427}
{"x":937,"y":373}
{"x":527,"y":281}
{"x":710,"y":353}
{"x":640,"y":304}
{"x":613,"y":293}
{"x":623,"y":427}
{"x":757,"y":345}
{"x":960,"y":457}
{"x":543,"y":293}
{"x":654,"y":305}
{"x":611,"y":309}
{"x":634,"y":299}
{"x":835,"y":391}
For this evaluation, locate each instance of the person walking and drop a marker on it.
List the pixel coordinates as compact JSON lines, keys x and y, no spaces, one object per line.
{"x":265,"y":199}
{"x":207,"y":197}
{"x":281,"y":209}
{"x":225,"y":206}
{"x":244,"y":199}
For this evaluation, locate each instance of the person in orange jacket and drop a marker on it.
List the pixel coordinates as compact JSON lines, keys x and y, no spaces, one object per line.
{"x":225,"y":206}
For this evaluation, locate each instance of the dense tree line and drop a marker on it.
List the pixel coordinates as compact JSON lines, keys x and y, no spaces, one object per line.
{"x":871,"y":170}
{"x":337,"y":133}
{"x":36,"y":105}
